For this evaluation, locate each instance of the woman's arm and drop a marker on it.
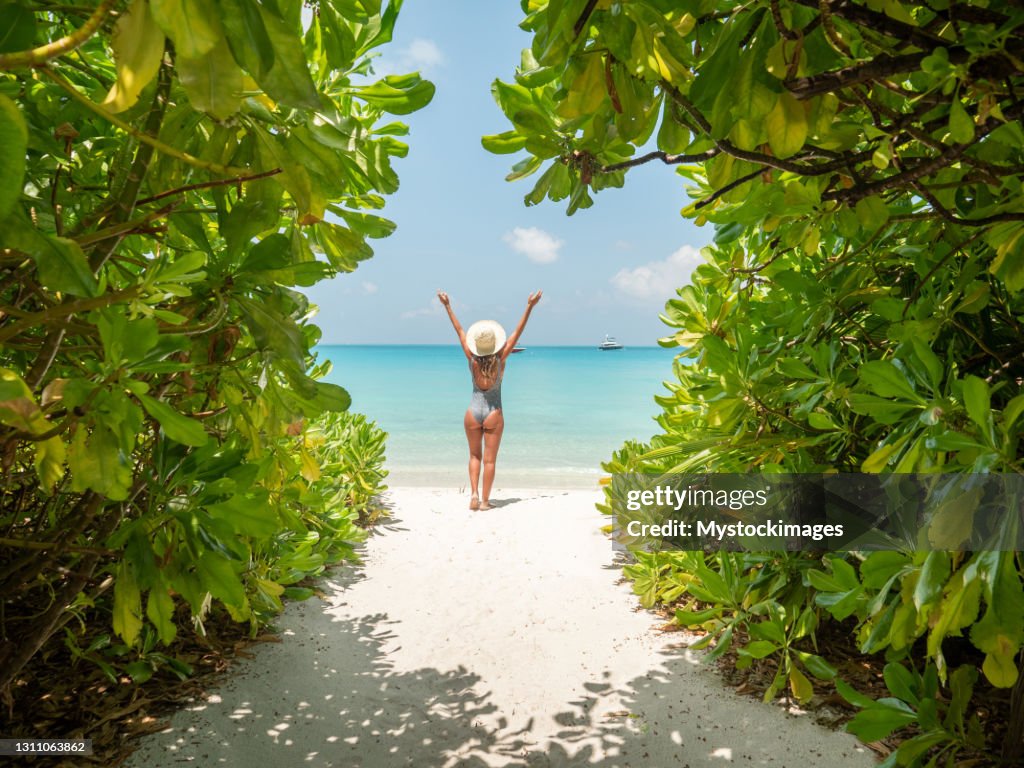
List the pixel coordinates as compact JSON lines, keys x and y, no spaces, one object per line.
{"x":514,"y":338}
{"x":446,"y":303}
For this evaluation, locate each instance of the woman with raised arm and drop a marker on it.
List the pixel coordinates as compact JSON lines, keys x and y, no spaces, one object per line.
{"x":487,"y":350}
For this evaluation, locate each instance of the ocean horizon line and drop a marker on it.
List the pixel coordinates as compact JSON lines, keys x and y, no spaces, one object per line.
{"x":524,"y":346}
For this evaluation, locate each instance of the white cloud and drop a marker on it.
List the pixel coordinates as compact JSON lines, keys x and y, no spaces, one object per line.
{"x":434,"y":308}
{"x":369,"y":287}
{"x":658,"y":279}
{"x":535,"y":244}
{"x":421,"y":55}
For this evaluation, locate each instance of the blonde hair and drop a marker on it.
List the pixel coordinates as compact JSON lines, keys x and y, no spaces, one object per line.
{"x":489,"y":366}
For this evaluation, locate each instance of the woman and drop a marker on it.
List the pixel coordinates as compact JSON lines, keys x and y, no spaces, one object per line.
{"x":487,"y":349}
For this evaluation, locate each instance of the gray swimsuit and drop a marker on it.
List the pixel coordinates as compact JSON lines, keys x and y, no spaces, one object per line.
{"x":485,"y":401}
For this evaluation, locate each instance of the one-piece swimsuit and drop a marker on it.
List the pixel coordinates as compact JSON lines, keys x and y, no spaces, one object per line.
{"x":485,"y":401}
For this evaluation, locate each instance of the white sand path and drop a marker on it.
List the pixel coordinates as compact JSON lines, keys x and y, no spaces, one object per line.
{"x":496,"y":638}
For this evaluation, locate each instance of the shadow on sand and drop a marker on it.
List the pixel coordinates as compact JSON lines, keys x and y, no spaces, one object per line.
{"x":331,"y":698}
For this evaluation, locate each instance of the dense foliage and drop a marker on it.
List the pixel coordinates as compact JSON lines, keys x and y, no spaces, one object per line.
{"x":172,"y":172}
{"x":860,"y":309}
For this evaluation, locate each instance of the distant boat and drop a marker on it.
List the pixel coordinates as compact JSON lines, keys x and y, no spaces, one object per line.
{"x":518,"y":349}
{"x":609,"y":343}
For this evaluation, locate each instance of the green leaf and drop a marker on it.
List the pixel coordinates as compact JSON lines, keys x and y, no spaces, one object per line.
{"x":176,"y":426}
{"x":138,"y":46}
{"x":343,"y":247}
{"x":368,"y":225}
{"x":160,"y":611}
{"x":951,"y":525}
{"x":961,"y":126}
{"x":288,"y":80}
{"x":878,"y":721}
{"x":127,"y":604}
{"x":933,"y":577}
{"x":192,"y":25}
{"x":251,"y":515}
{"x":331,"y":397}
{"x":872,"y":212}
{"x":272,"y":252}
{"x":97,"y":462}
{"x":886,"y":380}
{"x":13,"y":145}
{"x":976,"y":401}
{"x":504,"y":143}
{"x":801,"y":687}
{"x":759,"y":649}
{"x":49,"y":462}
{"x":900,"y":682}
{"x":18,"y":407}
{"x":18,"y":31}
{"x":817,"y":666}
{"x":213,"y":82}
{"x":786,"y":125}
{"x":878,"y":460}
{"x":397,"y":94}
{"x":248,"y":39}
{"x":140,"y":671}
{"x":1001,"y":667}
{"x":1012,"y":412}
{"x":62,"y":265}
{"x":219,"y":578}
{"x":853,"y":696}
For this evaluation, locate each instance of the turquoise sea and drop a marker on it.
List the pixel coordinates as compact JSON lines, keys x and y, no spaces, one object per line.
{"x":566,"y":408}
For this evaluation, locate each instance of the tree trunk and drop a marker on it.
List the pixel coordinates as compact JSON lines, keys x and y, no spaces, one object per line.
{"x":1013,"y":742}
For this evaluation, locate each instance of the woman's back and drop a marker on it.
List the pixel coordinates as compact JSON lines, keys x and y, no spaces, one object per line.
{"x":486,"y":372}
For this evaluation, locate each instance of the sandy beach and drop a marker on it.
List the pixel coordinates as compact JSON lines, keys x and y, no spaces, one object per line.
{"x":498,"y":638}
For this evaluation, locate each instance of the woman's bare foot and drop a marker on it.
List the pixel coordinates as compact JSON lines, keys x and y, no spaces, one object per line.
{"x":474,"y":503}
{"x":485,"y":505}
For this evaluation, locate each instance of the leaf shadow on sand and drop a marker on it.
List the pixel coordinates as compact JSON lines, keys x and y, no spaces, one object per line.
{"x":330,"y":697}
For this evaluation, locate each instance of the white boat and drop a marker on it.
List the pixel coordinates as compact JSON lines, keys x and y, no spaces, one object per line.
{"x":609,"y":343}
{"x":518,"y":349}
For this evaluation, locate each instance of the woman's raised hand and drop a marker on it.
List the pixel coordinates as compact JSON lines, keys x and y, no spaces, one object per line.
{"x":443,"y":298}
{"x":534,"y":298}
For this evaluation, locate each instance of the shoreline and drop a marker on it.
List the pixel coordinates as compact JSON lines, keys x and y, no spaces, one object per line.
{"x":452,"y":479}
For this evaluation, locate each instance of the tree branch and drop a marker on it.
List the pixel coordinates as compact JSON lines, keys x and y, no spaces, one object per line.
{"x":880,"y":67}
{"x":44,"y":53}
{"x":665,"y":157}
{"x":948,"y":215}
{"x":61,"y":311}
{"x":584,"y":16}
{"x":727,"y":188}
{"x":207,"y":185}
{"x":167,"y":149}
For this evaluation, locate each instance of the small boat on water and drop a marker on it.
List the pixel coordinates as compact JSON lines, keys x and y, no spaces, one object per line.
{"x":609,"y":343}
{"x":518,"y":349}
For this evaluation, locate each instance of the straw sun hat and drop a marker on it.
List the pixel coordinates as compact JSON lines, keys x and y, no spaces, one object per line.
{"x":485,"y":337}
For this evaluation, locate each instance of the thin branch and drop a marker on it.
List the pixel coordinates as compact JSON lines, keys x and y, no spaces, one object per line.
{"x":727,"y":188}
{"x":665,"y":157}
{"x":167,"y":149}
{"x":880,"y":67}
{"x":584,"y":17}
{"x":124,"y":228}
{"x":948,"y":215}
{"x":44,"y":53}
{"x":879,"y":22}
{"x":48,"y":545}
{"x":207,"y":185}
{"x":61,"y":311}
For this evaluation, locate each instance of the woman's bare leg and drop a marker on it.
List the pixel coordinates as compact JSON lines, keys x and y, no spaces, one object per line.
{"x":493,"y":426}
{"x":474,"y":433}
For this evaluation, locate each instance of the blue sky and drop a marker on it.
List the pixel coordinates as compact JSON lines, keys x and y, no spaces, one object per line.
{"x":464,"y":229}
